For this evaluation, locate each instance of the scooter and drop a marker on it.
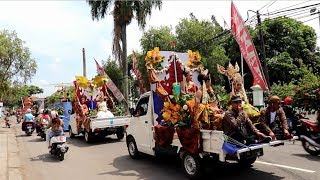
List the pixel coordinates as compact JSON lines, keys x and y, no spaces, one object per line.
{"x":309,"y":133}
{"x":58,"y":146}
{"x":29,"y":128}
{"x":7,"y":121}
{"x":43,"y":127}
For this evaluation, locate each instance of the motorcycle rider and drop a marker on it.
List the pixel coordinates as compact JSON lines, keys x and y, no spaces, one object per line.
{"x":27,"y":118}
{"x":55,"y":127}
{"x":288,"y":110}
{"x":44,"y":114}
{"x":272,"y":118}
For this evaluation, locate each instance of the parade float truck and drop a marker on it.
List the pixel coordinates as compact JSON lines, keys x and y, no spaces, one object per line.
{"x":92,"y":114}
{"x":159,"y":125}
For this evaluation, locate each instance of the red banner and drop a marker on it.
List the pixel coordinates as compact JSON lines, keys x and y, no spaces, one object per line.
{"x":113,"y":88}
{"x":137,"y":73}
{"x":247,"y":47}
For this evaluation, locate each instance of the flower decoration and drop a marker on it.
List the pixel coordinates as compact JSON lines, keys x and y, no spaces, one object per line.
{"x":194,"y":60}
{"x":154,"y":59}
{"x":171,"y":112}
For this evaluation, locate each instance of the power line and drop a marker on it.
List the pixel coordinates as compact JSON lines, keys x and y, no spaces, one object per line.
{"x":306,"y":10}
{"x":303,"y":7}
{"x":264,"y":5}
{"x":310,"y":19}
{"x":288,"y":7}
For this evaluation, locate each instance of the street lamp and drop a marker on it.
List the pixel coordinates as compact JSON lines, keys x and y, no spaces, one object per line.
{"x":313,"y":12}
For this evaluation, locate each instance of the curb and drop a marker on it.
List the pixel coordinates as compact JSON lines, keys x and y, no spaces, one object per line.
{"x":10,"y":166}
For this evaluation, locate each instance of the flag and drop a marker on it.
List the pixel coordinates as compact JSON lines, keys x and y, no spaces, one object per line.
{"x":113,"y":88}
{"x":137,"y":73}
{"x":247,"y":47}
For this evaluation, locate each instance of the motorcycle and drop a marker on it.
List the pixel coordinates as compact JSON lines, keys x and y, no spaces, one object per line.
{"x":29,"y":127}
{"x":59,"y":146}
{"x":7,"y":121}
{"x":309,"y":133}
{"x":43,"y":128}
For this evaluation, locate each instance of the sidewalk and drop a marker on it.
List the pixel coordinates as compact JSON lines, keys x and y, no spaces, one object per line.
{"x":9,"y":154}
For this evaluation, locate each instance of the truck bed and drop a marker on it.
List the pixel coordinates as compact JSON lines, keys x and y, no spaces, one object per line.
{"x":109,"y":122}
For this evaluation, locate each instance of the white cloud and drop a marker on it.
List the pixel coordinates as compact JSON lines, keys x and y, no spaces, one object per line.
{"x":43,"y":82}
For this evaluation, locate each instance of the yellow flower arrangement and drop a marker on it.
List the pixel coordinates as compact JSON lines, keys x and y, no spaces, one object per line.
{"x":154,"y":59}
{"x":171,"y":112}
{"x":194,"y":59}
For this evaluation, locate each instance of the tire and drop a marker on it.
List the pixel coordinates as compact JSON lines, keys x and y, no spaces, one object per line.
{"x":120,"y":135}
{"x":61,"y":156}
{"x":132,"y":148}
{"x":192,"y":166}
{"x":247,"y":162}
{"x":71,"y":133}
{"x":306,"y":145}
{"x":88,"y":136}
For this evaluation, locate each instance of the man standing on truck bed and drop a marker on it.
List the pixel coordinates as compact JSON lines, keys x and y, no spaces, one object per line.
{"x":238,"y":126}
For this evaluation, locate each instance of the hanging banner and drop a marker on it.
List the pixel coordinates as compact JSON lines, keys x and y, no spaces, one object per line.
{"x":247,"y":47}
{"x":113,"y":88}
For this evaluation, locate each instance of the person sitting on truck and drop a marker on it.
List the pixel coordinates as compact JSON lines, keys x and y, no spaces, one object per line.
{"x":238,"y":126}
{"x":103,"y":111}
{"x":55,"y":127}
{"x":187,"y":85}
{"x":272,"y":118}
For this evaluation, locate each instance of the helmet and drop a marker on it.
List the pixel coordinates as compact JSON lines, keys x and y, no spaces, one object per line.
{"x":28,"y":110}
{"x":41,"y":111}
{"x":288,"y":100}
{"x":45,"y":111}
{"x":54,"y":114}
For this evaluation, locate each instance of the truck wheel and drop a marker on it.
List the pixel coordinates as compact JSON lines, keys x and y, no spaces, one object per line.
{"x":88,"y":136}
{"x":192,"y":166}
{"x":132,"y":148}
{"x":247,"y":162}
{"x":71,"y":133}
{"x":120,"y":135}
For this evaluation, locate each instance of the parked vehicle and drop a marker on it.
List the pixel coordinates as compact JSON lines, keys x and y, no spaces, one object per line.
{"x":59,"y":146}
{"x":140,"y":138}
{"x":309,"y":133}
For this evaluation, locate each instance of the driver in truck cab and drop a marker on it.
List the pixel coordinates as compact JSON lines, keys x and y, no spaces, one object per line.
{"x":238,"y":126}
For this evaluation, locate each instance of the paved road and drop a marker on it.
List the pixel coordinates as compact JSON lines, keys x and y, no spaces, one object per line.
{"x":109,"y":160}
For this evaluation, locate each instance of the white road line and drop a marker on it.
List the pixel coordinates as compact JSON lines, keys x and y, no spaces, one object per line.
{"x":284,"y":166}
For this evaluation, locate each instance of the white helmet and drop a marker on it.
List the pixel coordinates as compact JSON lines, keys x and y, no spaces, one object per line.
{"x":41,"y":111}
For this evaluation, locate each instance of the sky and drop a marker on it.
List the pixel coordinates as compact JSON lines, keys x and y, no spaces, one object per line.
{"x":56,"y":31}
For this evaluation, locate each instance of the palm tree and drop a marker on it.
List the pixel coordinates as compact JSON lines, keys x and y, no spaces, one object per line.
{"x":123,"y":13}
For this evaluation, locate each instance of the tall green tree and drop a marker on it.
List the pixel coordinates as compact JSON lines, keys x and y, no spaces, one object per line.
{"x":16,"y":64}
{"x":14,"y":95}
{"x":123,"y":13}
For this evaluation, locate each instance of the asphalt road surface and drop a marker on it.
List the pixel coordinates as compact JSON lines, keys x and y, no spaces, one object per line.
{"x":109,"y":159}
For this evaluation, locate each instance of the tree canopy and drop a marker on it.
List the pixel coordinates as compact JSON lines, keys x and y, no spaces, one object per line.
{"x":16,"y":64}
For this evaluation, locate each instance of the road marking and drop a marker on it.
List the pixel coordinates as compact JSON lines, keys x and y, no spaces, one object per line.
{"x":284,"y":166}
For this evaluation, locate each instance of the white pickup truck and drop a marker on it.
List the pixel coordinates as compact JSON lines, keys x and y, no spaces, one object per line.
{"x":100,"y":127}
{"x":140,"y":138}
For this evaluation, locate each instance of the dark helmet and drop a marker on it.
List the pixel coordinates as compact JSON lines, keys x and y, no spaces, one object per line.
{"x":45,"y":111}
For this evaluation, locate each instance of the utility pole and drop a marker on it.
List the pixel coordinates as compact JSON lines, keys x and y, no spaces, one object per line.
{"x":84,"y":62}
{"x":263,"y":51}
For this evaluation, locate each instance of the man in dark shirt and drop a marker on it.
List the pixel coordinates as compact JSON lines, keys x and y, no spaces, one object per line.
{"x":238,"y":126}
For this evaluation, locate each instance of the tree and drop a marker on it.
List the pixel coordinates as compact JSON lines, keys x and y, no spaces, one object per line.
{"x":16,"y":64}
{"x":157,"y":37}
{"x":14,"y":95}
{"x":123,"y":13}
{"x":114,"y":72}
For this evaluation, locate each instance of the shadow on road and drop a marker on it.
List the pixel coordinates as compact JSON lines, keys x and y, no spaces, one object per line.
{"x":36,"y":139}
{"x":308,"y":156}
{"x":158,"y":169}
{"x":46,"y":158}
{"x":80,"y":142}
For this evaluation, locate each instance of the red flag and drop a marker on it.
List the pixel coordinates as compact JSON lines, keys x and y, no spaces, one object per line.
{"x":113,"y":88}
{"x":137,"y":73}
{"x":247,"y":47}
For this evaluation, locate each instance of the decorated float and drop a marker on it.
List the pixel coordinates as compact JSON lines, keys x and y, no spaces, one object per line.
{"x":92,"y":108}
{"x":180,"y":115}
